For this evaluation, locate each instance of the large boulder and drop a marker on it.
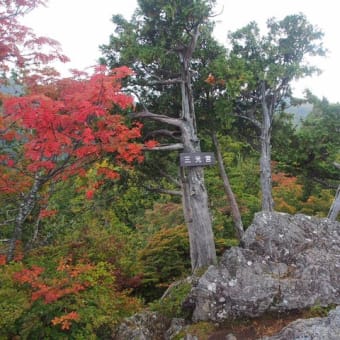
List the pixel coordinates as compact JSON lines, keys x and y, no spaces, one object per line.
{"x":285,"y":263}
{"x":327,"y":328}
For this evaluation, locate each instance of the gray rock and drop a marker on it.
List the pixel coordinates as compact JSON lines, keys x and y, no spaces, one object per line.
{"x":327,"y":328}
{"x":190,"y":337}
{"x":177,"y":325}
{"x":230,"y":336}
{"x":286,"y":262}
{"x":143,"y":326}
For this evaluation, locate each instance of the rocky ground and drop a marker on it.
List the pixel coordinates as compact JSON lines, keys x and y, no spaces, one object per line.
{"x":286,"y":267}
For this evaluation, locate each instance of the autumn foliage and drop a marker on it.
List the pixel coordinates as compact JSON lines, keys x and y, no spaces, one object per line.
{"x":74,"y":289}
{"x":20,"y":47}
{"x":64,"y":320}
{"x":287,"y":192}
{"x":72,"y":123}
{"x":50,"y":293}
{"x":65,"y":126}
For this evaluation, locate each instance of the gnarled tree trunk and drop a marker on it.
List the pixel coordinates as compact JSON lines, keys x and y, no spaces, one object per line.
{"x":194,"y":193}
{"x":195,"y":197}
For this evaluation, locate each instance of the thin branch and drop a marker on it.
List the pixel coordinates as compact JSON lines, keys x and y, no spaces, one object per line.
{"x":7,"y":222}
{"x":166,"y":82}
{"x":164,"y":191}
{"x":170,"y":178}
{"x":252,"y":120}
{"x":140,"y":100}
{"x":159,"y":118}
{"x":164,"y":132}
{"x":169,"y":147}
{"x":324,"y":183}
{"x":174,"y":285}
{"x":218,"y":13}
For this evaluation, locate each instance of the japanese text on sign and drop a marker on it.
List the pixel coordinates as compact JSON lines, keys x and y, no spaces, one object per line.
{"x":197,"y":159}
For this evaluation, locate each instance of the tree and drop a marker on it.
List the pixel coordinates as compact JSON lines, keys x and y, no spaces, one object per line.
{"x":267,"y":65}
{"x":235,"y":211}
{"x":214,"y":119}
{"x":59,"y":132}
{"x":159,"y":44}
{"x":19,"y":47}
{"x":313,"y":153}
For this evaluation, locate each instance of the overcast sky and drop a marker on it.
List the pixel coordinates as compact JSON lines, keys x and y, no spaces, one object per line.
{"x":82,"y":25}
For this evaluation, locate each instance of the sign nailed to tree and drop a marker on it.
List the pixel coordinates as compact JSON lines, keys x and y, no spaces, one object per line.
{"x":197,"y":159}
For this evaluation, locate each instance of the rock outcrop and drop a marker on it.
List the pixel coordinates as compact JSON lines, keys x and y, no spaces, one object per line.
{"x":143,"y":326}
{"x":285,"y":263}
{"x":327,"y":328}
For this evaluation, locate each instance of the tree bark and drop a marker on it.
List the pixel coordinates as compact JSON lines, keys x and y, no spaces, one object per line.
{"x":335,"y":208}
{"x":265,"y":160}
{"x":194,"y":194}
{"x":235,"y":212}
{"x":26,"y":207}
{"x":195,"y":197}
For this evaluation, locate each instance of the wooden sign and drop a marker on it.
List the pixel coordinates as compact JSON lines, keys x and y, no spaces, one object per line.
{"x":197,"y":159}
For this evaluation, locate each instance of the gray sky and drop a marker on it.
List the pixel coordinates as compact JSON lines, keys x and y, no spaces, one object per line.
{"x":82,"y":25}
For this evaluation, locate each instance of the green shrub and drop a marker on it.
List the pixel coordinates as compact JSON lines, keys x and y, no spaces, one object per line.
{"x":165,"y":258}
{"x":171,"y":305}
{"x":75,"y":290}
{"x":13,"y":300}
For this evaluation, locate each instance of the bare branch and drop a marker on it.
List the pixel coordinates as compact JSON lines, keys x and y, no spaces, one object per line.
{"x":164,"y":132}
{"x":166,"y":82}
{"x":140,"y":100}
{"x":218,"y":13}
{"x":169,"y":147}
{"x":170,"y":178}
{"x":252,"y":120}
{"x":7,"y":222}
{"x":325,"y":183}
{"x":159,"y":118}
{"x":164,"y":191}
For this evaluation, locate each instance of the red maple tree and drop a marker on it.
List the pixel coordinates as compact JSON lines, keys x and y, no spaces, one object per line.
{"x":20,"y":47}
{"x":61,"y":129}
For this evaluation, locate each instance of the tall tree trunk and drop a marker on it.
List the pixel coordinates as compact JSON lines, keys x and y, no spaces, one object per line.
{"x":335,"y":208}
{"x":195,"y":197}
{"x":235,"y":212}
{"x":265,"y":160}
{"x":26,"y":207}
{"x":202,"y":246}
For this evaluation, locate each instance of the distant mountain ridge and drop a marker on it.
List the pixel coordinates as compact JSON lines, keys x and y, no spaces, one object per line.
{"x":300,"y":112}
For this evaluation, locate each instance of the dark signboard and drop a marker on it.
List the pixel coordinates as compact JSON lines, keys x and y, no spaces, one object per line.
{"x":197,"y":159}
